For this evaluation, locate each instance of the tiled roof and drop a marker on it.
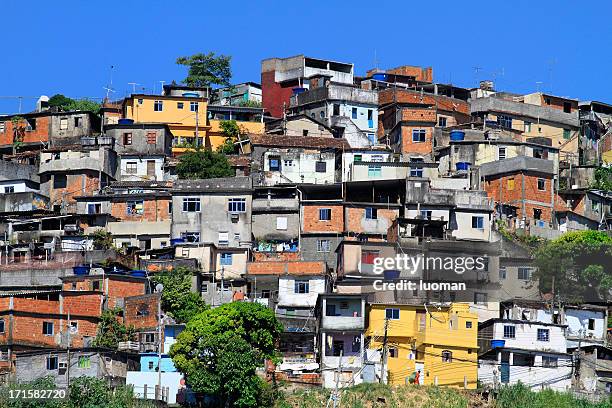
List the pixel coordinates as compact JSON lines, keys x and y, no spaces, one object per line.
{"x":295,"y":141}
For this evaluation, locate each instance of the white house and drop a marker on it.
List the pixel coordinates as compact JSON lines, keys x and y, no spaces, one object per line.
{"x":142,"y":168}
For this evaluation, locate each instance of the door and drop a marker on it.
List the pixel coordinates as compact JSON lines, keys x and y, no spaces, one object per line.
{"x":505,"y":367}
{"x":151,"y":169}
{"x":420,"y":368}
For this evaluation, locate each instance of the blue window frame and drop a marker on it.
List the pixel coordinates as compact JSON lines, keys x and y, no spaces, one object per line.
{"x":374,"y":170}
{"x":478,"y":222}
{"x":354,"y":113}
{"x":372,"y":138}
{"x":392,"y":314}
{"x":418,"y":135}
{"x":226,"y":258}
{"x":324,"y":214}
{"x":371,"y":213}
{"x":543,"y":335}
{"x":416,"y":172}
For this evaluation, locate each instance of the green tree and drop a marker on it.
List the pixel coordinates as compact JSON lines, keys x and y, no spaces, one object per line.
{"x":102,"y":239}
{"x":177,"y":298}
{"x":232,"y":131}
{"x":111,"y":331}
{"x":220,"y":350}
{"x":580,"y":263}
{"x":68,"y":104}
{"x":603,"y":179}
{"x":203,"y":164}
{"x":207,"y":69}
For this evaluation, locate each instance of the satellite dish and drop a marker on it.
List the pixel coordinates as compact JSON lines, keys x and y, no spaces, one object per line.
{"x":159,"y":287}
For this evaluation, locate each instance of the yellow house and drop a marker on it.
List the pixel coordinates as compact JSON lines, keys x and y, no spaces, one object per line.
{"x":185,"y":115}
{"x":248,"y":119}
{"x":439,"y":342}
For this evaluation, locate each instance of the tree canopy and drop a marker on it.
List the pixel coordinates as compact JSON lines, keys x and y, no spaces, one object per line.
{"x":231,"y":130}
{"x":111,"y":331}
{"x":203,"y":164}
{"x":68,"y":104}
{"x":177,"y":298}
{"x":581,"y":264}
{"x":207,"y":69}
{"x":220,"y":350}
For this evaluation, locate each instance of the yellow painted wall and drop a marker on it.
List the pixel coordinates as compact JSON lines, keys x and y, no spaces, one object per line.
{"x":428,"y":334}
{"x":216,"y":137}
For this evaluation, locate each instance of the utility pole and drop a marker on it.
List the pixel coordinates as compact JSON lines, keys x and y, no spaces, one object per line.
{"x":159,"y":288}
{"x":335,"y":397}
{"x":197,"y":133}
{"x":384,"y":352}
{"x":68,"y":352}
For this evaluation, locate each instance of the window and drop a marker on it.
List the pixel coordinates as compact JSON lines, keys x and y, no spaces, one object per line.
{"x":510,"y":183}
{"x":371,"y":213}
{"x":151,"y":138}
{"x":2,"y":127}
{"x":550,"y":362}
{"x":158,"y":106}
{"x":591,"y":324}
{"x":547,"y":101}
{"x":47,"y":328}
{"x":537,"y":213}
{"x":357,"y":158}
{"x":504,"y":121}
{"x":236,"y":205}
{"x":320,"y":167}
{"x":323,"y":245}
{"x":78,"y":121}
{"x":94,"y":208}
{"x":480,"y":298}
{"x":524,"y":273}
{"x":354,"y":113}
{"x":281,"y":223}
{"x":127,"y":139}
{"x":9,"y":189}
{"x":542,"y":184}
{"x":527,"y":127}
{"x":226,"y":258}
{"x":191,"y":204}
{"x":274,"y":164}
{"x":426,"y":214}
{"x":336,"y":109}
{"x":52,"y":363}
{"x":179,"y":105}
{"x":84,"y":362}
{"x":96,"y":285}
{"x":392,"y":314}
{"x":140,"y":101}
{"x":567,"y":107}
{"x":509,"y":332}
{"x":393,"y":352}
{"x":169,"y":207}
{"x":543,"y":335}
{"x":566,"y":134}
{"x":301,"y":286}
{"x":338,"y":348}
{"x":447,"y":356}
{"x":151,"y":365}
{"x":442,"y":121}
{"x":193,"y":106}
{"x":324,"y":214}
{"x":191,"y":236}
{"x":60,"y":181}
{"x":223,"y":238}
{"x":502,"y":272}
{"x":501,"y":153}
{"x":418,"y":135}
{"x":322,"y":114}
{"x":135,"y":207}
{"x":131,"y":167}
{"x":368,"y":257}
{"x":304,"y":132}
{"x":468,"y":325}
{"x":416,"y":172}
{"x":63,"y":123}
{"x":478,"y":222}
{"x":1,"y":325}
{"x":374,"y":170}
{"x":372,"y":138}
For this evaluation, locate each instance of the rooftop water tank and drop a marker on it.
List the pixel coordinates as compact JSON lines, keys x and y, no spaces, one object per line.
{"x":457,"y":135}
{"x":498,"y":343}
{"x":379,"y":77}
{"x":191,"y":94}
{"x":176,"y":241}
{"x":126,"y":121}
{"x":298,"y":90}
{"x":81,"y":270}
{"x":463,"y":166}
{"x":139,"y":273}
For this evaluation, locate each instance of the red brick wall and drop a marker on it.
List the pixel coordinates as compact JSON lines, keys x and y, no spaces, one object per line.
{"x":147,"y":304}
{"x":408,"y":146}
{"x":356,"y":215}
{"x":40,"y":134}
{"x":311,"y":222}
{"x":83,"y":304}
{"x":122,"y":289}
{"x":273,"y":257}
{"x":492,"y":187}
{"x":84,"y":184}
{"x":273,"y":94}
{"x":155,"y":209}
{"x":282,"y":268}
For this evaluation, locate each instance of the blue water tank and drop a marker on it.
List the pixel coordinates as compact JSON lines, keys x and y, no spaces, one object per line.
{"x":139,"y":273}
{"x":298,"y":90}
{"x":379,"y":77}
{"x":81,"y":270}
{"x":176,"y":241}
{"x":457,"y":135}
{"x":498,"y":343}
{"x":191,"y":94}
{"x":463,"y":166}
{"x":126,"y":121}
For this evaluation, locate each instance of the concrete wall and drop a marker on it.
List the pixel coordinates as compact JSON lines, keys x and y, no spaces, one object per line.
{"x":17,"y":171}
{"x":526,"y":336}
{"x":24,"y":201}
{"x":288,"y":297}
{"x":64,"y":129}
{"x":297,"y":166}
{"x":140,"y":141}
{"x":577,"y":321}
{"x":142,"y":163}
{"x":138,"y":380}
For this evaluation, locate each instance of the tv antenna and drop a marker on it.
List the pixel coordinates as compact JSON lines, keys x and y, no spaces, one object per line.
{"x":133,"y":86}
{"x":476,"y":71}
{"x":162,"y":86}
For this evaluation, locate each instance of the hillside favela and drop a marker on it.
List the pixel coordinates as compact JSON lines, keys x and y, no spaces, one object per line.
{"x":323,"y":235}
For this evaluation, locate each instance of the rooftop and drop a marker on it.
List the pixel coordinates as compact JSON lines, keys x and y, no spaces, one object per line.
{"x":295,"y":141}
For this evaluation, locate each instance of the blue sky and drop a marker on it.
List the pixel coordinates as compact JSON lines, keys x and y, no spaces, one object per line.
{"x":68,"y":46}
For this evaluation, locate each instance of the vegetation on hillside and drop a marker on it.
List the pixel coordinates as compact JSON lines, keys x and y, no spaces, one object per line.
{"x":111,"y":331}
{"x":203,"y":164}
{"x":232,"y":131}
{"x":177,"y":298}
{"x":602,"y":179}
{"x":68,"y":104}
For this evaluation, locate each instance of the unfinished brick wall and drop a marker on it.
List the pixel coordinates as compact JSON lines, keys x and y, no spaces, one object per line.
{"x":410,"y":146}
{"x":141,"y":311}
{"x":85,"y":183}
{"x":154,"y":209}
{"x":82,"y":304}
{"x":38,"y":135}
{"x":289,"y":268}
{"x":311,"y":222}
{"x":508,"y":189}
{"x":124,"y":288}
{"x":356,"y":217}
